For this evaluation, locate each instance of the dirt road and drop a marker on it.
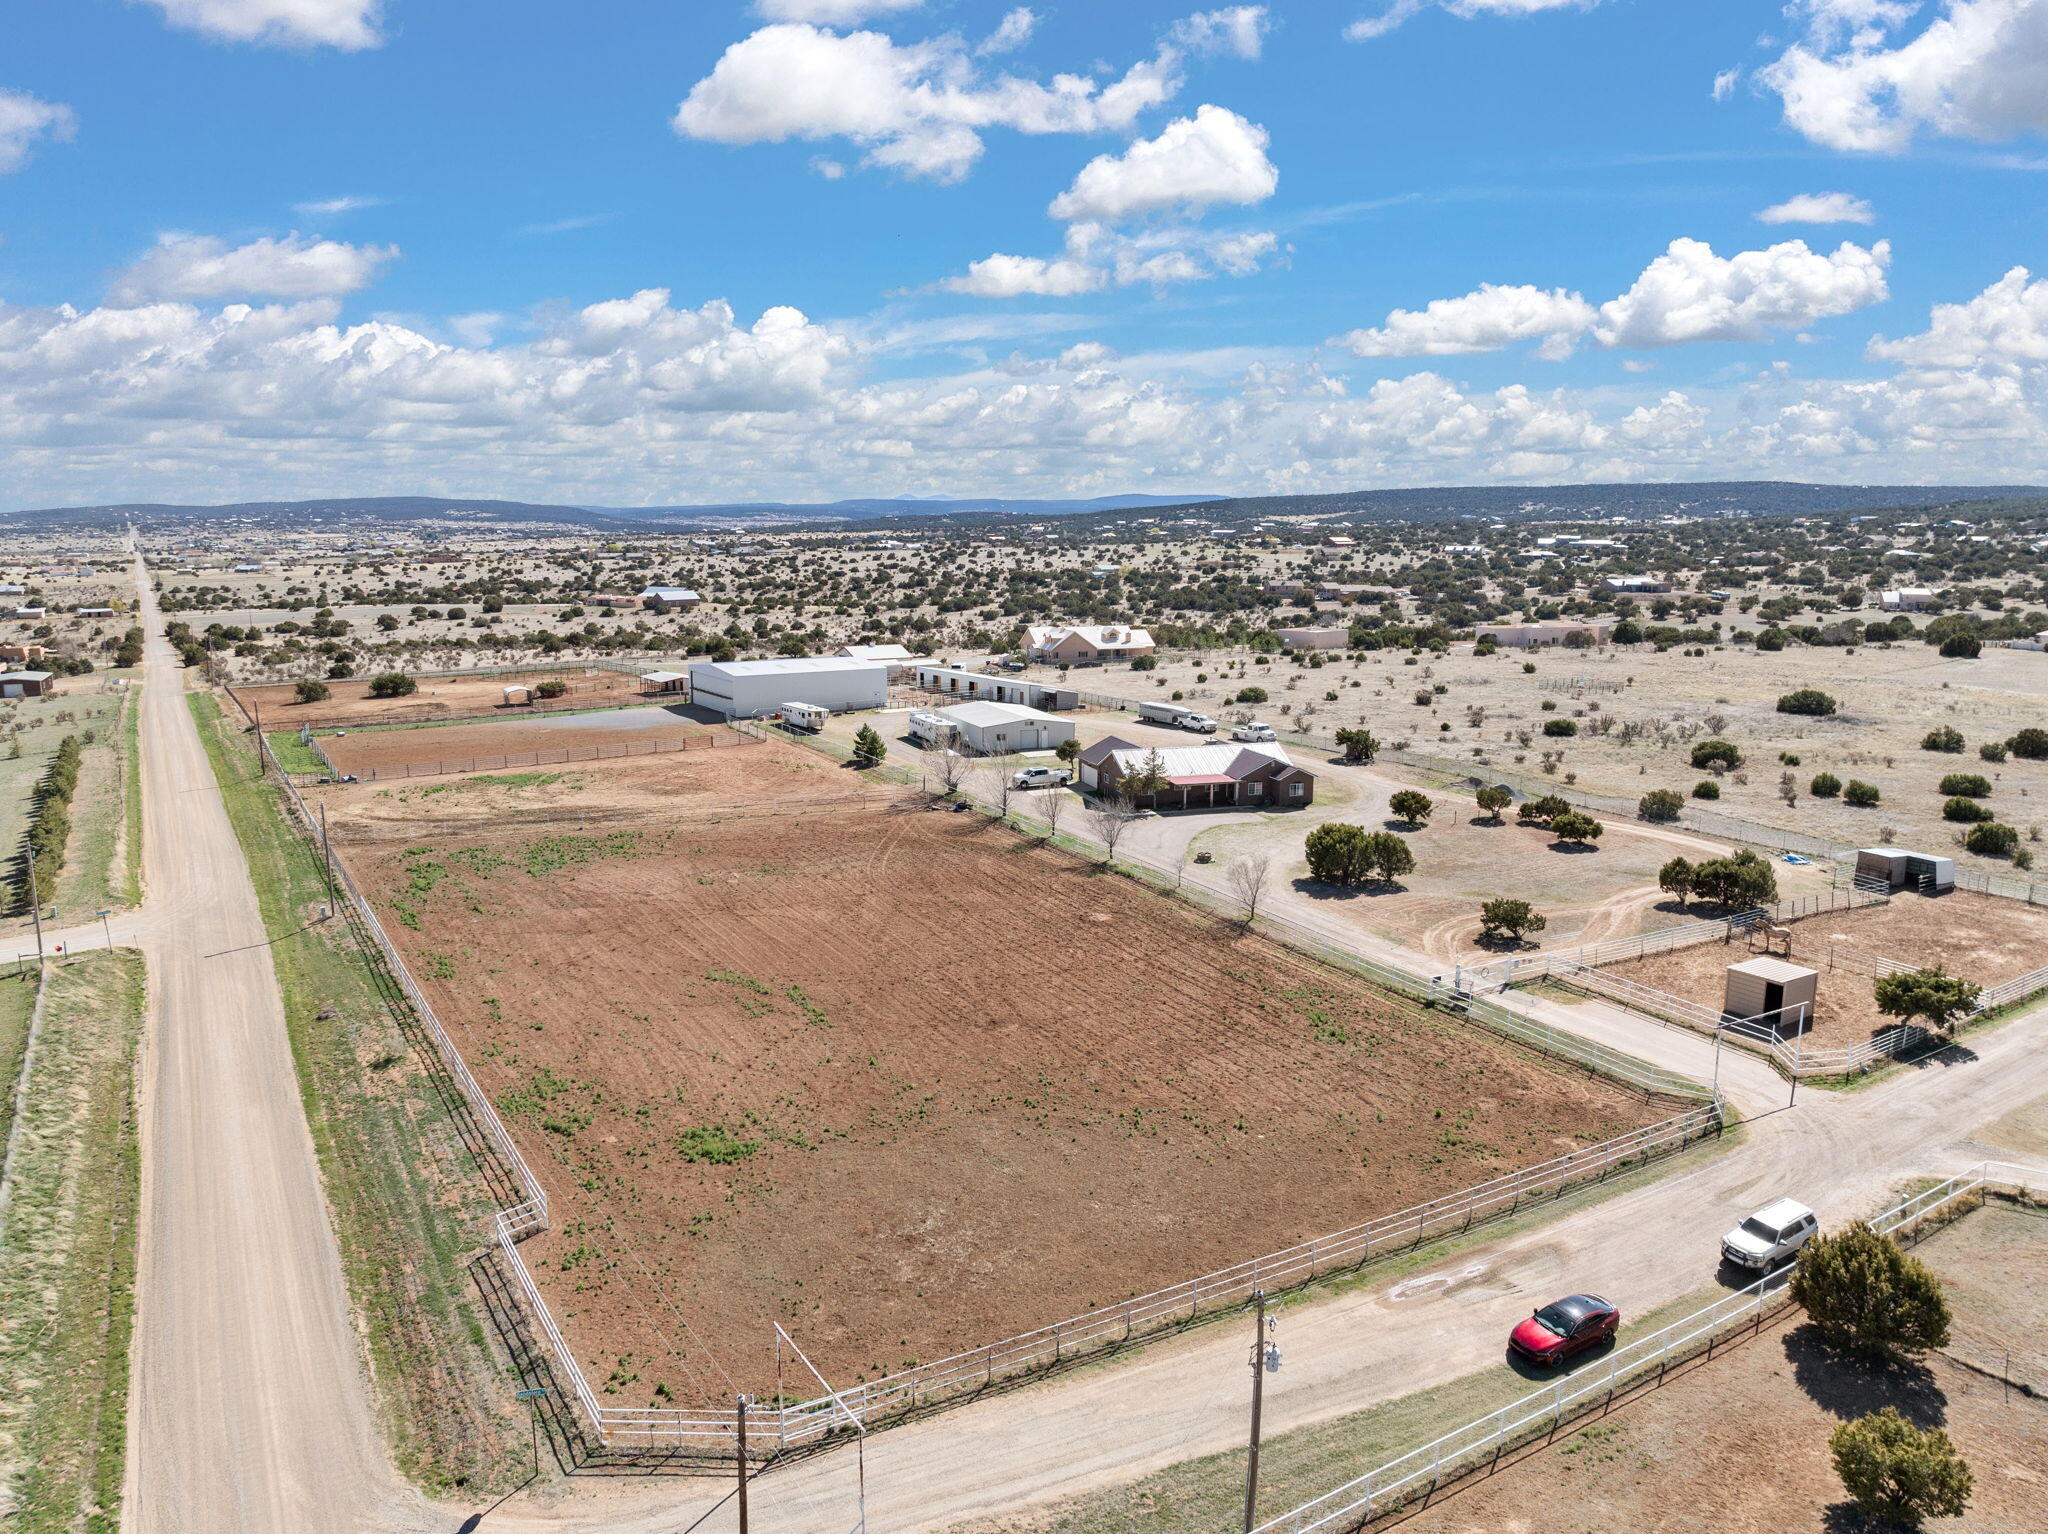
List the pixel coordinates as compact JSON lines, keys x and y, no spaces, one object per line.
{"x":248,"y":1405}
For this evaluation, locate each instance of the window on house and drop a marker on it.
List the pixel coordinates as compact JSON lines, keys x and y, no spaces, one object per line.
{"x":1298,"y":790}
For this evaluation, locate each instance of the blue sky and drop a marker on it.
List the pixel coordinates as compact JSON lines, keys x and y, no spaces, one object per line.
{"x":299,"y":247}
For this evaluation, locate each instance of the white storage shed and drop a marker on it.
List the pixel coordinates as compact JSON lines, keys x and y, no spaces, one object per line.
{"x":745,"y":689}
{"x":1772,"y":991}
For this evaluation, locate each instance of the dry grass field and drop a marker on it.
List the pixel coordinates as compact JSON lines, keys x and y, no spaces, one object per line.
{"x":438,"y":698}
{"x":1889,"y":697}
{"x":520,"y":741}
{"x":788,"y":1047}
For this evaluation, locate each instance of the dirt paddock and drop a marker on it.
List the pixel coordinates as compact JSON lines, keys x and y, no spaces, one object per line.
{"x":439,"y":697}
{"x":784,"y":1048}
{"x":1979,"y":937}
{"x":520,"y":741}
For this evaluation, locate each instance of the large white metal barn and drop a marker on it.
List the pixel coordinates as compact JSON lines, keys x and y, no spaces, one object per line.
{"x":743,"y":689}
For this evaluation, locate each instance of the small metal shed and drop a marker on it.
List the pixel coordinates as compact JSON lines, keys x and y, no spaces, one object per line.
{"x":1901,"y":869}
{"x":1771,"y":990}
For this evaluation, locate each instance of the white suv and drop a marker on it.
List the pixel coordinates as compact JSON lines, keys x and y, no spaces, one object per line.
{"x":1771,"y":1236}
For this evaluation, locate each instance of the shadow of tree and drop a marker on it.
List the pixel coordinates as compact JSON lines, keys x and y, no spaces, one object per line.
{"x":1316,"y":889}
{"x":1846,"y":1385}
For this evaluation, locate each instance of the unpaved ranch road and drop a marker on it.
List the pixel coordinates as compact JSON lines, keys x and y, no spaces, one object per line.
{"x":1840,"y":1151}
{"x":248,"y":1407}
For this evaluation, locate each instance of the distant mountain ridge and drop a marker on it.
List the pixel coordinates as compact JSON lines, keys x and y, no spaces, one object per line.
{"x":1428,"y":504}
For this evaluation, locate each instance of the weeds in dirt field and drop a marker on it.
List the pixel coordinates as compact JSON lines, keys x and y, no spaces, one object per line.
{"x":715,"y":1145}
{"x":406,"y":1196}
{"x":496,"y":780}
{"x":67,"y":1254}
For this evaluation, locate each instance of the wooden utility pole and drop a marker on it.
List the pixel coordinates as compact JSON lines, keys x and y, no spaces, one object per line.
{"x":1251,"y":1469}
{"x":742,"y":1400}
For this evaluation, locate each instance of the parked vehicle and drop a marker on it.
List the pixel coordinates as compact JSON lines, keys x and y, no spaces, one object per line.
{"x":1042,"y":777}
{"x":1565,"y":1327}
{"x":1253,"y":730}
{"x":1165,"y":713}
{"x":1770,"y":1237}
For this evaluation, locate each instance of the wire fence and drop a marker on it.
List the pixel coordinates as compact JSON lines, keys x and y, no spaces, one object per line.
{"x":1096,"y":1331}
{"x":1480,"y":1443}
{"x":603,"y":751}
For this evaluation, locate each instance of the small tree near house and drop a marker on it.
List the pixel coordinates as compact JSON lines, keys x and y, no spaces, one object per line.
{"x":393,"y":684}
{"x":1864,"y":1295}
{"x":1388,"y":856}
{"x":313,"y":692}
{"x":1543,"y":811}
{"x":1511,"y":918}
{"x":868,"y":746}
{"x":1932,"y":993}
{"x":1660,"y":804}
{"x":1068,"y":750}
{"x":1576,"y":828}
{"x":1493,"y":800}
{"x":1899,"y":1474}
{"x":1359,"y":745}
{"x":1115,"y":814}
{"x":1338,"y":854}
{"x":1249,"y":879}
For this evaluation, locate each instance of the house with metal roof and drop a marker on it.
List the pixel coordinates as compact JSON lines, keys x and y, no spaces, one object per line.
{"x":1197,"y":777}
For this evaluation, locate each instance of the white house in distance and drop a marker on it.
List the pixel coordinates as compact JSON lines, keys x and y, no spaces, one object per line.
{"x":1636,"y":585}
{"x":993,"y":729}
{"x":1538,"y":634}
{"x":1085,"y":644}
{"x":746,"y":689}
{"x":1907,"y":599}
{"x":1314,"y":639}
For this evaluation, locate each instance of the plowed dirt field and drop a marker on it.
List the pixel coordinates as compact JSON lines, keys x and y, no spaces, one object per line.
{"x":785,"y":1047}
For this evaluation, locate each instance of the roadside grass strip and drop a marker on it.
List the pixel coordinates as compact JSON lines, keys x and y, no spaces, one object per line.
{"x":67,"y":1255}
{"x":410,"y":1209}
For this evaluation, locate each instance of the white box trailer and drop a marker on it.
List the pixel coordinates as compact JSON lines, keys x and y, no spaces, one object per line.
{"x":1178,"y":716}
{"x":804,"y":716}
{"x":747,"y":689}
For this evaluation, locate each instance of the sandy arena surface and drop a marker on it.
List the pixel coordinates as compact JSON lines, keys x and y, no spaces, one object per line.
{"x":518,"y":742}
{"x":439,"y":697}
{"x":1739,"y":1444}
{"x":783,"y":1048}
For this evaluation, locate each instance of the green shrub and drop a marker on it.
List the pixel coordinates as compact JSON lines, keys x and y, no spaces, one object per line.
{"x":1899,"y":1474}
{"x":1493,"y":799}
{"x":1660,"y":804}
{"x":2029,"y":745}
{"x":1992,"y":751}
{"x":1862,"y":795}
{"x":1251,"y":695}
{"x":313,"y":692}
{"x":553,"y":687}
{"x":1972,"y":785}
{"x":1944,"y":738}
{"x":1560,"y":727}
{"x":1934,"y":994}
{"x":1543,"y":811}
{"x":1412,"y":806}
{"x":1716,"y":753}
{"x":393,"y":684}
{"x":1807,"y":700}
{"x":1575,"y":827}
{"x":1825,"y":785}
{"x":1359,"y":745}
{"x":1992,"y":840}
{"x":1965,"y":811}
{"x":1706,"y":788}
{"x":1961,"y":647}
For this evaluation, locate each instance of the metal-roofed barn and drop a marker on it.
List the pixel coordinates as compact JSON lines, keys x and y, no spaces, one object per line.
{"x":744,"y":689}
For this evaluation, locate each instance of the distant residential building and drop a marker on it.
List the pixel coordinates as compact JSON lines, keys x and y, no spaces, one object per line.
{"x":956,"y":682}
{"x":22,"y":652}
{"x":1338,"y":541}
{"x":619,"y":599}
{"x":1906,"y":599}
{"x":26,"y":684}
{"x":882,"y":652}
{"x":1087,"y":644}
{"x":1636,"y":585}
{"x":1522,"y":635}
{"x":1315,"y":639}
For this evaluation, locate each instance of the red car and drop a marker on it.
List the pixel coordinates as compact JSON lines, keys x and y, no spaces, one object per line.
{"x":1564,"y":1327}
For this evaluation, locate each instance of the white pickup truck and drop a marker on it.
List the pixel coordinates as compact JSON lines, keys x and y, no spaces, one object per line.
{"x":1770,"y":1237}
{"x":1253,"y":730}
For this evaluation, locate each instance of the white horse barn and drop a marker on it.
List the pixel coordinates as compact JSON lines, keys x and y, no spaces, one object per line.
{"x":994,"y":729}
{"x":746,"y":689}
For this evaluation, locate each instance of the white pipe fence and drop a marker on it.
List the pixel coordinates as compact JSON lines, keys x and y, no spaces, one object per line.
{"x":1095,"y":1331}
{"x":1424,"y":1470}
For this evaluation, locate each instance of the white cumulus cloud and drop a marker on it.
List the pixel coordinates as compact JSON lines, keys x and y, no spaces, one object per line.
{"x":1690,"y":294}
{"x":1819,"y":208}
{"x":348,"y":24}
{"x":1978,"y":69}
{"x":1011,"y":33}
{"x":1001,"y":276}
{"x":1379,"y":25}
{"x":1196,"y":162}
{"x":1098,"y":257}
{"x":194,"y":266}
{"x":25,"y":119}
{"x":2006,"y":323}
{"x":1483,"y":320}
{"x":831,"y":13}
{"x":921,"y":108}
